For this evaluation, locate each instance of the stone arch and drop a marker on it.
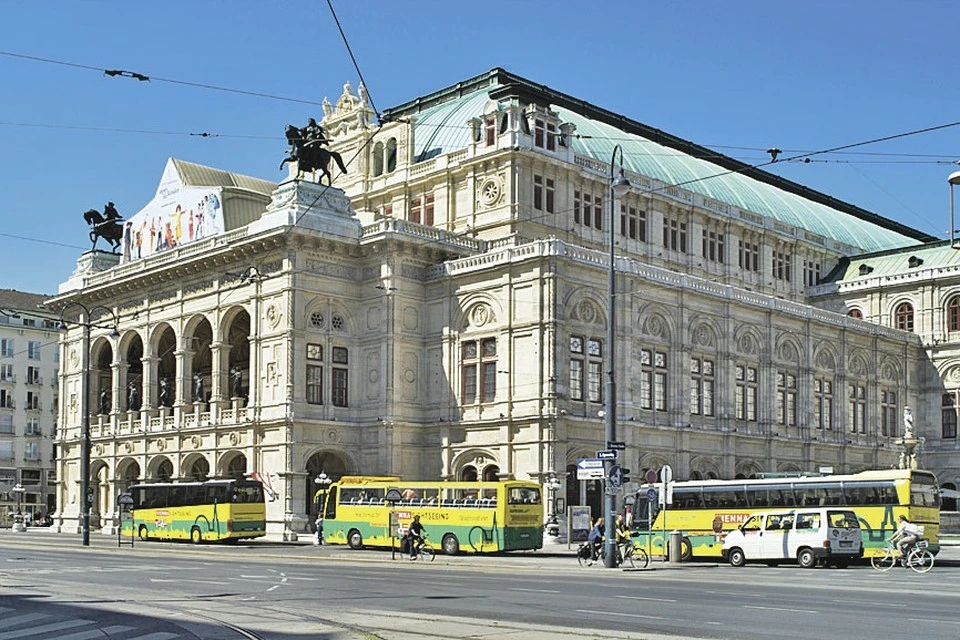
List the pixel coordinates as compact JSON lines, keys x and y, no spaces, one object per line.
{"x":232,"y":464}
{"x":195,"y":467}
{"x":390,"y":153}
{"x":235,"y":331}
{"x":789,"y":349}
{"x":163,"y":347}
{"x":789,"y":467}
{"x":131,"y":352}
{"x":479,"y":458}
{"x":706,"y":466}
{"x":476,"y":312}
{"x":704,"y":334}
{"x":948,"y":503}
{"x":748,"y":341}
{"x":334,"y":463}
{"x":377,"y":158}
{"x":890,"y":370}
{"x":949,"y":370}
{"x":160,"y":469}
{"x":858,"y":362}
{"x":101,"y":375}
{"x":128,"y":473}
{"x":651,"y":462}
{"x":747,"y":469}
{"x":825,"y":357}
{"x":654,"y":324}
{"x":198,"y":334}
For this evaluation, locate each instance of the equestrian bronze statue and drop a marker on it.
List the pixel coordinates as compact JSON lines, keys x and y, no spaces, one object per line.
{"x":106,"y":225}
{"x":307,"y":150}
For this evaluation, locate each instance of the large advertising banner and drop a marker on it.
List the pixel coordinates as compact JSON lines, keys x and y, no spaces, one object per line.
{"x":176,"y":216}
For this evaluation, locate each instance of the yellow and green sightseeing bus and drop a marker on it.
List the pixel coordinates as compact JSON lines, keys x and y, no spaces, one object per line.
{"x":704,"y":511}
{"x":475,"y":517}
{"x":212,"y":511}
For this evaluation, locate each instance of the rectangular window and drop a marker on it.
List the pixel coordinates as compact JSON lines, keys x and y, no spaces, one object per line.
{"x":428,"y":210}
{"x":948,"y":417}
{"x":33,"y":401}
{"x":786,"y":399}
{"x":551,"y":137}
{"x":781,"y":266}
{"x":701,"y":386}
{"x":823,"y":403}
{"x":490,"y":130}
{"x":416,"y":207}
{"x":6,"y":450}
{"x":33,"y":350}
{"x":6,"y":373}
{"x":888,"y":412}
{"x":746,"y":393}
{"x":6,"y":424}
{"x":811,"y":273}
{"x":633,"y":223}
{"x":338,"y":392}
{"x":857,"y":409}
{"x":538,"y":192}
{"x":31,"y":451}
{"x":33,"y":427}
{"x":386,"y":211}
{"x":576,"y":379}
{"x":539,"y":133}
{"x":6,"y":398}
{"x":33,"y":375}
{"x":314,"y":384}
{"x":577,"y":205}
{"x":30,"y":476}
{"x":713,"y":246}
{"x":749,"y":256}
{"x":675,"y":235}
{"x":595,"y":381}
{"x":597,"y":212}
{"x":479,"y":370}
{"x":653,"y":380}
{"x":551,"y":195}
{"x":6,"y":347}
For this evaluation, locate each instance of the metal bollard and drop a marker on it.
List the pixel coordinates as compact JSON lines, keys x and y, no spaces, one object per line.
{"x":675,"y":546}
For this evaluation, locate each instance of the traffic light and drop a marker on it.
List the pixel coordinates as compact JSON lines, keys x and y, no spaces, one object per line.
{"x":625,"y":472}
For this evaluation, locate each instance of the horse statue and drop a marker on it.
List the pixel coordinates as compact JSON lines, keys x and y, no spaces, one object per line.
{"x":307,"y":150}
{"x":106,"y":225}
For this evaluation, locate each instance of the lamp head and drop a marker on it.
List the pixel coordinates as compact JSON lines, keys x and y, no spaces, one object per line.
{"x":621,"y":185}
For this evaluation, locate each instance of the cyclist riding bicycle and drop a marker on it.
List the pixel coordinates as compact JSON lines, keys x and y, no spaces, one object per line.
{"x":415,"y":537}
{"x":595,"y":538}
{"x":906,"y":535}
{"x":623,"y":536}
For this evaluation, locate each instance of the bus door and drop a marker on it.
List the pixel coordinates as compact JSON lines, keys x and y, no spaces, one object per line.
{"x":331,"y":509}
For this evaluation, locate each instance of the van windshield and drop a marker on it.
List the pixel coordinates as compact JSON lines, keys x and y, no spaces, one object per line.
{"x":843,"y":519}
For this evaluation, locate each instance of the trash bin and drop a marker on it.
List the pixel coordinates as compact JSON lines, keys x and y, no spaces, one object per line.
{"x":676,"y":546}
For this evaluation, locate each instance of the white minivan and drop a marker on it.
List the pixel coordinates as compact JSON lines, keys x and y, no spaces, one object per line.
{"x":809,"y":536}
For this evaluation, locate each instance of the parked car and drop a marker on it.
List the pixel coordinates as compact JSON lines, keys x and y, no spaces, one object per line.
{"x":809,"y":536}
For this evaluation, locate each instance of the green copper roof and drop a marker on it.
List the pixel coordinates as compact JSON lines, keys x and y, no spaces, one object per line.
{"x":441,"y":127}
{"x":906,"y":260}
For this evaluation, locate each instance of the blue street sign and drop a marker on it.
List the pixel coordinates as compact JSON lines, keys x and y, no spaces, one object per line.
{"x":651,"y":495}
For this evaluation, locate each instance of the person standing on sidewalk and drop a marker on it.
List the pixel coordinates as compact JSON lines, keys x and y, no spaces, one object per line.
{"x":319,"y":524}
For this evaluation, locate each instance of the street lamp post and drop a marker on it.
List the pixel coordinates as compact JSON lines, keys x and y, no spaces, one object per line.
{"x":86,"y":497}
{"x":18,"y":521}
{"x":552,"y":485}
{"x":619,"y":185}
{"x":323,"y":481}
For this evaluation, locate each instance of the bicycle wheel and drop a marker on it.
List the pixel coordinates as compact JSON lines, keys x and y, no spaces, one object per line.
{"x":920,"y":561}
{"x":426,"y":553}
{"x":640,"y":558}
{"x":626,"y":558}
{"x":884,"y":562}
{"x":583,"y":557}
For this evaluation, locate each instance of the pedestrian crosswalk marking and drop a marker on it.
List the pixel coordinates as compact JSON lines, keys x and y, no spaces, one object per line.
{"x":43,"y":631}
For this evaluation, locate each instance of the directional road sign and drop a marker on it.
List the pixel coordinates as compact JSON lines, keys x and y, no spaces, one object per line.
{"x":607,"y":454}
{"x":590,"y":469}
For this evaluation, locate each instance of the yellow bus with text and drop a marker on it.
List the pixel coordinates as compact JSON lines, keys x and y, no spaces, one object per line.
{"x":704,"y":511}
{"x":473,"y":517}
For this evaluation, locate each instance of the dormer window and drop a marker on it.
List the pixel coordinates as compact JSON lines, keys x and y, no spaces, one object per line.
{"x":914,"y":262}
{"x":544,"y":134}
{"x":490,"y":130}
{"x":865,"y":269}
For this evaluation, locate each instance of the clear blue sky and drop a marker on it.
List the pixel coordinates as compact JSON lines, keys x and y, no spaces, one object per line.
{"x":800,"y":76}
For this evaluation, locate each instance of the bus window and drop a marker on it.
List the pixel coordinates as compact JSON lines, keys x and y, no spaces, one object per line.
{"x":753,"y":523}
{"x":808,"y":520}
{"x":523,"y":495}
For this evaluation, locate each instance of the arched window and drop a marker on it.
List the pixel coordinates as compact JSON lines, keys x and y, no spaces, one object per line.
{"x":468,"y":474}
{"x":378,"y":159}
{"x":855,"y":313}
{"x":903,"y":316}
{"x":491,"y":473}
{"x":391,"y":155}
{"x":953,"y":314}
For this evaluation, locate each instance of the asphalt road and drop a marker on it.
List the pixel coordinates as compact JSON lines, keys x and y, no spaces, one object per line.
{"x":163,"y":591}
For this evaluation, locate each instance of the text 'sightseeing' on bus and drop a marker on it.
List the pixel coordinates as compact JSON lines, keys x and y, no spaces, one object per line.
{"x":706,"y":510}
{"x":474,"y":517}
{"x":212,"y":511}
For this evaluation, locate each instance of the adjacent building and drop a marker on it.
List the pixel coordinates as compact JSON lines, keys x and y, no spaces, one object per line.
{"x":441,"y":311}
{"x":29,"y":366}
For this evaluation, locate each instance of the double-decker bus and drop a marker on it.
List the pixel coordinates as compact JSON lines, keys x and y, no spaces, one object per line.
{"x":474,"y":517}
{"x":212,"y":511}
{"x":705,"y":510}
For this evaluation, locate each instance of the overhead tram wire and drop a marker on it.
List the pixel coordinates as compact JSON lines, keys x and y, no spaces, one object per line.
{"x":145,"y":78}
{"x":353,"y":59}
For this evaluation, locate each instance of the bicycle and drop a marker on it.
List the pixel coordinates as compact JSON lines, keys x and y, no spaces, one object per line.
{"x":918,"y":557}
{"x":425,"y":553}
{"x":627,"y":554}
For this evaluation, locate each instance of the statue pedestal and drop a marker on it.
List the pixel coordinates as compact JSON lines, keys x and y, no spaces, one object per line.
{"x":88,"y":264}
{"x":312,"y":206}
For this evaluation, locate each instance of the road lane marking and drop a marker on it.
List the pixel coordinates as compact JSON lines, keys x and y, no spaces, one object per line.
{"x":533,"y":590}
{"x":42,"y":630}
{"x":642,"y":598}
{"x":624,"y":615}
{"x":186,"y":580}
{"x":747,"y":606}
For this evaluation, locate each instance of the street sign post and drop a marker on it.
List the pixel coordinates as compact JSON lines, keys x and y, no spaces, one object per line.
{"x":606,"y":454}
{"x":590,"y":469}
{"x":617,"y":446}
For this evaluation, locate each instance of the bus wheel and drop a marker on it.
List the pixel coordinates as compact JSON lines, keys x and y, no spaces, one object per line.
{"x":450,"y":544}
{"x":354,"y":539}
{"x":737,"y":559}
{"x":686,"y":549}
{"x":195,"y":536}
{"x":142,"y":532}
{"x":806,"y":558}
